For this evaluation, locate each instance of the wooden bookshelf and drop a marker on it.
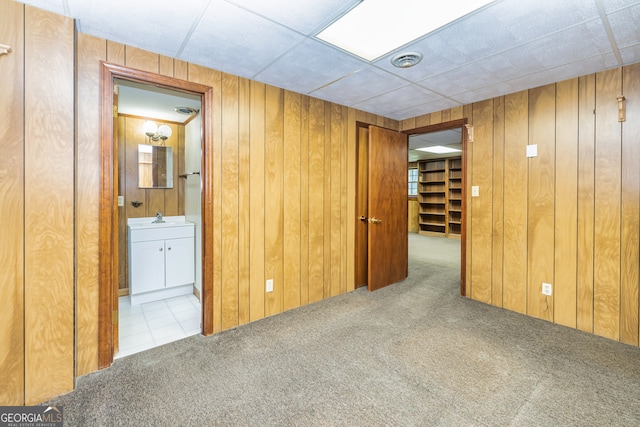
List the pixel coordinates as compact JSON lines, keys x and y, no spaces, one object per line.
{"x":440,"y":197}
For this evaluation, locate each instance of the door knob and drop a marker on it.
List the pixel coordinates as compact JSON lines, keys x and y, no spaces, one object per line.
{"x":363,"y":218}
{"x":375,"y":220}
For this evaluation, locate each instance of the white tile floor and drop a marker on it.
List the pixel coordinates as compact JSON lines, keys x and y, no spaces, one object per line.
{"x":152,"y":324}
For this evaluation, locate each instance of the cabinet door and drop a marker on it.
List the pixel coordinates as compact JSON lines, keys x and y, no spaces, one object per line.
{"x":180,"y":262}
{"x":147,"y":266}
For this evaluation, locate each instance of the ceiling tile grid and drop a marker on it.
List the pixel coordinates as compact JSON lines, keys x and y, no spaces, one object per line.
{"x":161,"y":27}
{"x":366,"y":83}
{"x":505,"y":47}
{"x":308,"y":66}
{"x":231,"y":39}
{"x":304,"y":16}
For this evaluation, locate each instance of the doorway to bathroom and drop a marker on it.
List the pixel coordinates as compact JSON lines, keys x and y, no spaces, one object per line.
{"x":159,"y":277}
{"x":155,"y":267}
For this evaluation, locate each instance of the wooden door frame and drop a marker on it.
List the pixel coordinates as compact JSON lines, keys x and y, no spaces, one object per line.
{"x":108,"y":235}
{"x":453,"y":124}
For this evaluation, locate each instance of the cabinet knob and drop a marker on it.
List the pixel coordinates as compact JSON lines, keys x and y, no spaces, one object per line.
{"x":169,"y":248}
{"x":160,"y":249}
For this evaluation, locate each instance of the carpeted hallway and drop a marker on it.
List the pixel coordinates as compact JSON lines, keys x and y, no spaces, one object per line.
{"x":412,"y":354}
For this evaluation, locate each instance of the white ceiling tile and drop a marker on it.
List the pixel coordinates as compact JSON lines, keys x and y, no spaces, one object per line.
{"x":630,"y":55}
{"x":624,"y":25}
{"x":308,"y":66}
{"x":159,"y":26}
{"x":305,"y":16}
{"x":611,"y":6}
{"x":364,"y":84}
{"x":231,"y":39}
{"x":429,"y":107}
{"x":399,"y":99}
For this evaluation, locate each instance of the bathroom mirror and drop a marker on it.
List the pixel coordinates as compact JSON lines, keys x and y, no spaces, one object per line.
{"x":155,"y":166}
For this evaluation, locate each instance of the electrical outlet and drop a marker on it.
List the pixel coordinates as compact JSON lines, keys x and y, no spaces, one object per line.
{"x":120,"y":200}
{"x":547,"y":289}
{"x":269,"y":285}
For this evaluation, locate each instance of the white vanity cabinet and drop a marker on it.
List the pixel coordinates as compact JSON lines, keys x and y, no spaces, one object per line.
{"x":161,"y":261}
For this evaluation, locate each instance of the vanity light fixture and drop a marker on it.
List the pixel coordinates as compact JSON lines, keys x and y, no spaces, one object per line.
{"x":155,"y":132}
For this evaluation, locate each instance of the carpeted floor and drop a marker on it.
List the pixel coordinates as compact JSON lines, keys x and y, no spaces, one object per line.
{"x":412,"y":354}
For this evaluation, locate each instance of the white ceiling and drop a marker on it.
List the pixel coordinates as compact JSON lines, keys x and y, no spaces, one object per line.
{"x":137,"y":99}
{"x":509,"y":45}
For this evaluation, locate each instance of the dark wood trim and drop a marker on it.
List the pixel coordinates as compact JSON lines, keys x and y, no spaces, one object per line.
{"x":460,"y":123}
{"x":108,"y":206}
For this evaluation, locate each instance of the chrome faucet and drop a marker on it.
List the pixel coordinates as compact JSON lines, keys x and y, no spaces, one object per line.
{"x":158,"y":218}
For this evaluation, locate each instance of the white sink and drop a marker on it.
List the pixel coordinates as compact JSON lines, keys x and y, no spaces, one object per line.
{"x":169,"y":221}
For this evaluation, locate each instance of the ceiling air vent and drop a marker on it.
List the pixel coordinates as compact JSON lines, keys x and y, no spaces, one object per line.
{"x":186,"y":110}
{"x":406,"y":60}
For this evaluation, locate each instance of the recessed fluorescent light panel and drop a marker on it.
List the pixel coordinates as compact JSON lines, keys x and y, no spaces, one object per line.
{"x":438,"y":149}
{"x":376,"y":27}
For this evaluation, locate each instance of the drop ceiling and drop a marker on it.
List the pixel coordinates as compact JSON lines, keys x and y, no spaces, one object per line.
{"x":505,"y":47}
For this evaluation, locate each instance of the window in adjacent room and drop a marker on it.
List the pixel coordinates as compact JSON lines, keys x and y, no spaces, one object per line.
{"x":413,"y":182}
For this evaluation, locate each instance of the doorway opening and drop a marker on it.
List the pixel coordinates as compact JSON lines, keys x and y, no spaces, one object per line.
{"x":437,"y":207}
{"x":445,"y":218}
{"x":159,"y":212}
{"x":158,"y":171}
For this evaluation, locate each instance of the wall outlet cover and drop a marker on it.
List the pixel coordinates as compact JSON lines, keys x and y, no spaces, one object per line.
{"x":547,"y":289}
{"x":475,"y":191}
{"x":269,"y":285}
{"x":532,"y":150}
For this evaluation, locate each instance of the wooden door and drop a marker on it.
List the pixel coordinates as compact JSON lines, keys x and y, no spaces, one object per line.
{"x":387,"y":208}
{"x":362,"y":194}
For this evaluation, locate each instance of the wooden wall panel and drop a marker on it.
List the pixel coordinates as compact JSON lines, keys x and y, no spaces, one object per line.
{"x":586,"y":201}
{"x":335,"y":193}
{"x":304,"y":201}
{"x":49,"y":164}
{"x":514,"y":295}
{"x":541,"y":215}
{"x":229,"y":203}
{"x":630,"y":208}
{"x":497,"y":239}
{"x":91,"y":50}
{"x":566,"y":202}
{"x":344,"y":203}
{"x":413,"y":208}
{"x":12,"y":202}
{"x":481,"y":207}
{"x":292,"y":227}
{"x":351,"y":197}
{"x":142,"y":59}
{"x":274,"y":215}
{"x":244,"y":200}
{"x":606,"y":285}
{"x":316,"y":200}
{"x":257,"y":202}
{"x":326,"y":213}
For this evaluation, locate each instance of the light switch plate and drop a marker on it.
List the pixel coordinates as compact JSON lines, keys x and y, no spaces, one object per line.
{"x":532,"y":150}
{"x":120,"y":200}
{"x":475,"y":191}
{"x":269,"y":285}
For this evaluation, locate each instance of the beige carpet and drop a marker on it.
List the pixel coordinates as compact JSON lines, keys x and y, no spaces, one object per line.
{"x":412,"y":354}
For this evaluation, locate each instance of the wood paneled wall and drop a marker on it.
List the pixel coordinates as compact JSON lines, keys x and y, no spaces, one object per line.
{"x":284,"y":191}
{"x":169,"y":201}
{"x":283,"y":174}
{"x":37,"y":194}
{"x":569,"y":216}
{"x":12,"y":202}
